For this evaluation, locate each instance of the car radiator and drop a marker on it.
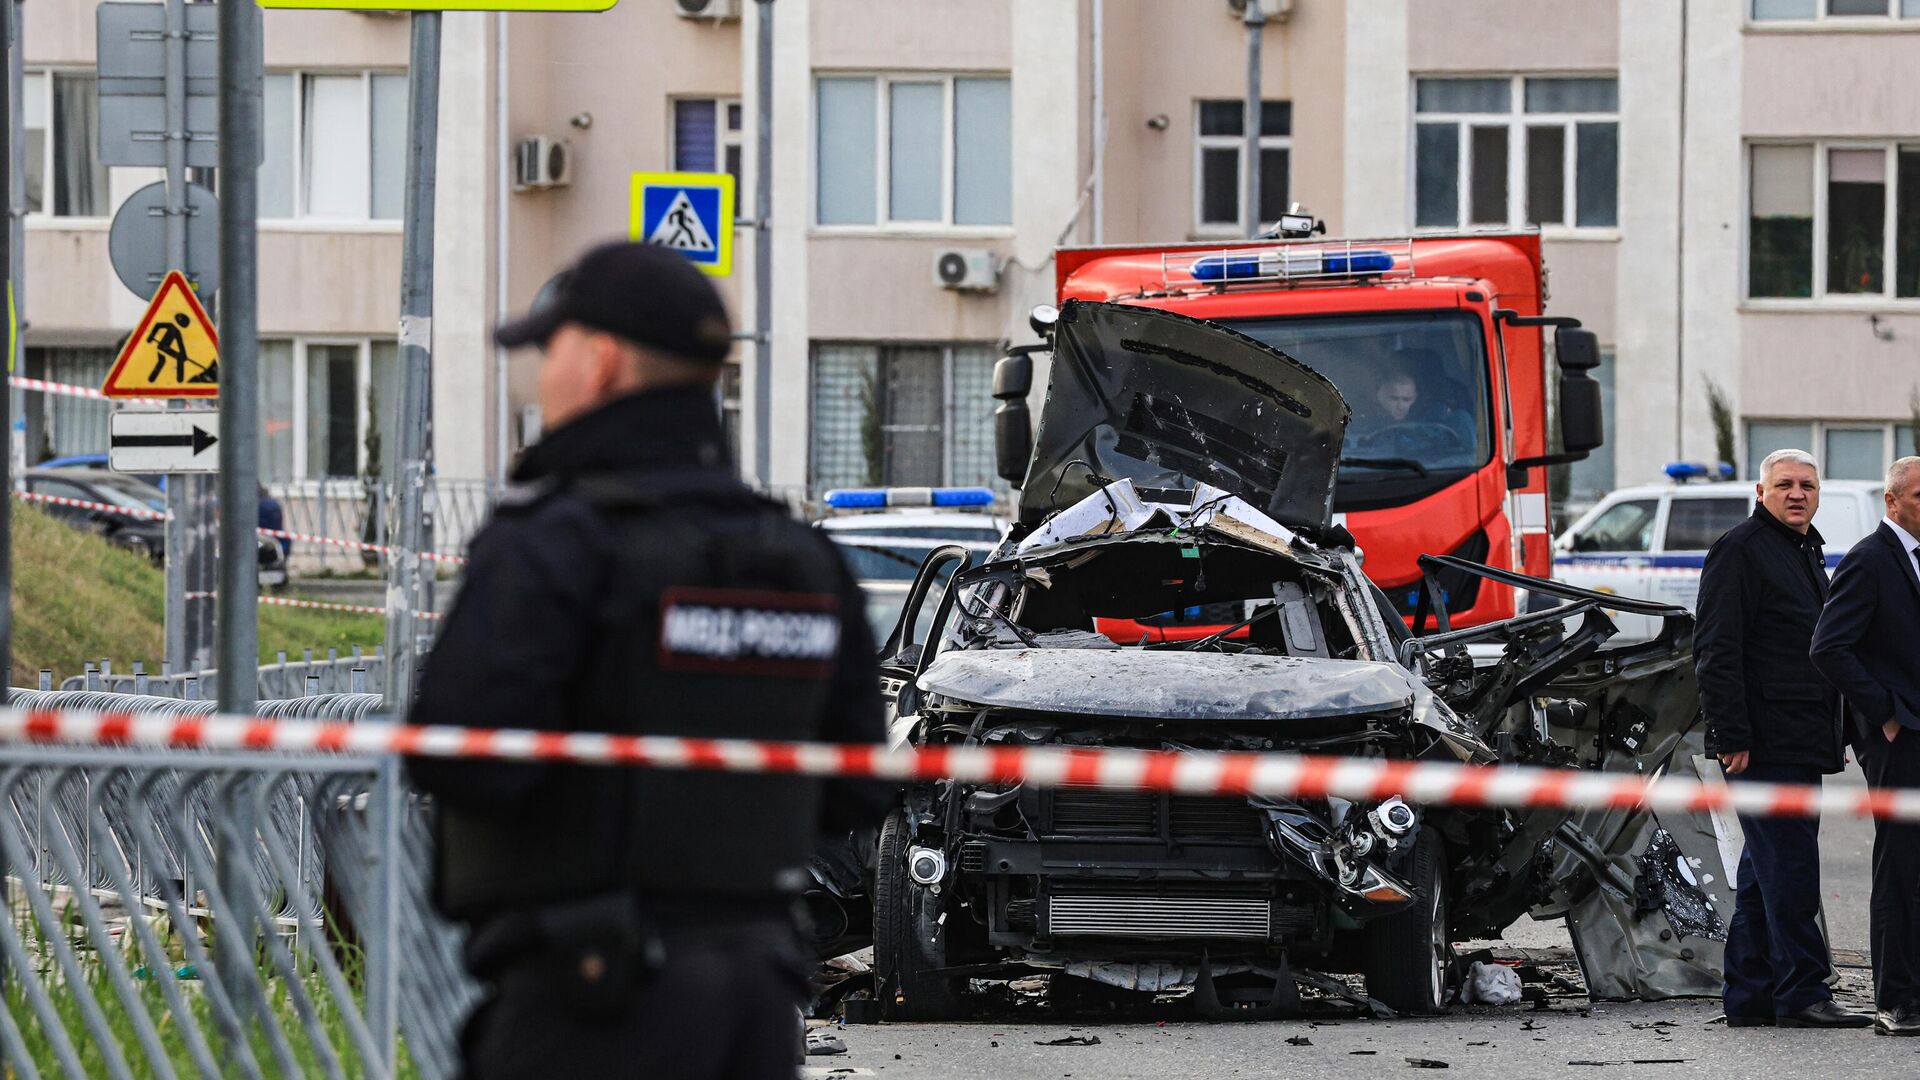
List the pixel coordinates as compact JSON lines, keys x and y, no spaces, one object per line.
{"x":1160,"y":917}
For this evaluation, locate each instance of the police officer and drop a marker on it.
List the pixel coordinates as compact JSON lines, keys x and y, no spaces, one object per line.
{"x":627,"y":919}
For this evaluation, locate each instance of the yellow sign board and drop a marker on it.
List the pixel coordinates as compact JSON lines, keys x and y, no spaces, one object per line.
{"x":692,"y":213}
{"x":174,"y":353}
{"x":441,"y":5}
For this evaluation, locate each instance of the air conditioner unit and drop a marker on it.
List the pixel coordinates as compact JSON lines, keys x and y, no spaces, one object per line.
{"x":972,"y":269}
{"x":1274,"y":10}
{"x":542,"y":162}
{"x":707,"y":9}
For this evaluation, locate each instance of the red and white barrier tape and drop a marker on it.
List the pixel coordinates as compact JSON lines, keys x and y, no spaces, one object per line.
{"x":430,"y":556}
{"x":322,"y":605}
{"x":61,"y":500}
{"x":1190,"y":773}
{"x":161,"y":515}
{"x":70,"y":390}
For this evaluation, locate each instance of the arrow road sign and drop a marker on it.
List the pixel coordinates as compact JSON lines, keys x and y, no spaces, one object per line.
{"x":175,"y":441}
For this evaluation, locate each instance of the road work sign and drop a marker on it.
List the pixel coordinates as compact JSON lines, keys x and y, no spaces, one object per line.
{"x":174,"y":441}
{"x":692,"y":213}
{"x":173,"y":353}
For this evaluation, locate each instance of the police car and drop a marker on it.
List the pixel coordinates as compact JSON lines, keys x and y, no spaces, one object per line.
{"x":885,"y":533}
{"x":1650,"y":542}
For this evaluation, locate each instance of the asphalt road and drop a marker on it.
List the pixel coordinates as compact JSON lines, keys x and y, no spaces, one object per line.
{"x":1667,"y":1039}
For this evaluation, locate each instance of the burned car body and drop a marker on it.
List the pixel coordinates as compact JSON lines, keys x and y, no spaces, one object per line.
{"x":1241,"y":898}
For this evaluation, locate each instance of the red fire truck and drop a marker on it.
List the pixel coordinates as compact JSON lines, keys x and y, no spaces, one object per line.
{"x":1437,"y":344}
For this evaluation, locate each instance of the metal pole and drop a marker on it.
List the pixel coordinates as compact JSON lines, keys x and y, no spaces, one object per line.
{"x":416,"y":356}
{"x":763,"y":252}
{"x":382,"y":937}
{"x":8,"y":239}
{"x":16,"y":255}
{"x":238,"y":645}
{"x":1250,"y":165}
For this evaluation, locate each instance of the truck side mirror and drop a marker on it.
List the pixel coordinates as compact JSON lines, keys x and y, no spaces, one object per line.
{"x":1012,"y":425}
{"x":1582,"y":429}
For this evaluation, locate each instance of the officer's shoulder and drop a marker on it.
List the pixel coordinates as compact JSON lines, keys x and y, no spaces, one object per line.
{"x":1738,"y":536}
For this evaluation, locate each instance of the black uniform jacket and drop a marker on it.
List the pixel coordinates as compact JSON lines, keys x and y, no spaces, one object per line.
{"x":1868,"y":642}
{"x":515,"y":639}
{"x":1760,"y":596}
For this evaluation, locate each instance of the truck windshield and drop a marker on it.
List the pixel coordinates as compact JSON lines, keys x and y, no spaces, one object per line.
{"x":1417,"y":384}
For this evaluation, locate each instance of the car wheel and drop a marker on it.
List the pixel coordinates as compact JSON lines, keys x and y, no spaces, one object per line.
{"x":909,"y":938}
{"x":1409,"y":955}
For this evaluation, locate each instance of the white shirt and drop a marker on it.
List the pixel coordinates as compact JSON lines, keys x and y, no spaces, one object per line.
{"x":1907,"y":542}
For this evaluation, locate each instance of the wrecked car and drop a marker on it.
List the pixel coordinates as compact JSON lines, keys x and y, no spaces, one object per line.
{"x":1179,"y":466}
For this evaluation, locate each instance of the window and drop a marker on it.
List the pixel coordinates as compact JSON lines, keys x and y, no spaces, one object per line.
{"x":1846,"y":449}
{"x":706,"y":136}
{"x":62,"y":171}
{"x":1694,"y":524}
{"x":326,"y":407}
{"x":1626,"y":526}
{"x":336,"y":146}
{"x":1220,"y":128}
{"x":903,"y":415}
{"x":1774,"y":10}
{"x":1833,"y":219}
{"x":58,"y":425}
{"x":913,"y":150}
{"x":1520,"y":150}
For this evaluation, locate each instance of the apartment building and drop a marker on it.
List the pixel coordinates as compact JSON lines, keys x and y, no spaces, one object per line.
{"x":1728,"y":192}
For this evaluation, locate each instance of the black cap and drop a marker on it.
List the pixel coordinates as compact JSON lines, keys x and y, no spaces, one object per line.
{"x":644,"y":293}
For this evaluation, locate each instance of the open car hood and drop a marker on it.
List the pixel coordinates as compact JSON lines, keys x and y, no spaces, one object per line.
{"x":1169,"y":402}
{"x":1168,"y":684}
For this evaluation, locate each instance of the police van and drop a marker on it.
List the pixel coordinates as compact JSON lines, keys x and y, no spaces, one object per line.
{"x":1650,"y":542}
{"x":885,"y":534}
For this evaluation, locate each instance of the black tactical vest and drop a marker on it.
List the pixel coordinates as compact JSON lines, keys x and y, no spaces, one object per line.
{"x":722,"y":620}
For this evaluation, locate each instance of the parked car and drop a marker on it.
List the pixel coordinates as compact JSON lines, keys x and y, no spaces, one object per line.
{"x":886,"y":533}
{"x":1651,"y":541}
{"x":272,"y":515}
{"x":135,"y":530}
{"x":1242,"y":901}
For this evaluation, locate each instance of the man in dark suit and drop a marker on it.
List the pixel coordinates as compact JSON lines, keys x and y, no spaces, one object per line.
{"x":1868,"y":646}
{"x":1771,"y":718}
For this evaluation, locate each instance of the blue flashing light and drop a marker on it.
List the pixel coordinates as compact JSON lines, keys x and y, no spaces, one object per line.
{"x":857,"y":499}
{"x":962,"y":496}
{"x":1360,"y":262}
{"x":1683,"y":471}
{"x":882,"y":498}
{"x":1226,"y":267}
{"x":1283,"y":264}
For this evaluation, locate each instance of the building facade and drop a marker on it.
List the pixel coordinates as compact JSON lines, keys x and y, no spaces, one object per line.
{"x":1728,"y":191}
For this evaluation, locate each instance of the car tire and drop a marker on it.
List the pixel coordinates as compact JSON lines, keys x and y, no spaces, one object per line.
{"x":909,"y":938}
{"x":1409,"y":955}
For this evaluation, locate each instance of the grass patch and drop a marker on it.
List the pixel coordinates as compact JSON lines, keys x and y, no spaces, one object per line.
{"x":70,"y":1004}
{"x":78,"y":598}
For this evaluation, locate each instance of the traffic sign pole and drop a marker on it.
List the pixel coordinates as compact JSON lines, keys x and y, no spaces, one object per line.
{"x":237,"y":650}
{"x":416,"y":358}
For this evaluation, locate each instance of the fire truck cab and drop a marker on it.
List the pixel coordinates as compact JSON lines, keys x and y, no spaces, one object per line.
{"x":1437,"y":344}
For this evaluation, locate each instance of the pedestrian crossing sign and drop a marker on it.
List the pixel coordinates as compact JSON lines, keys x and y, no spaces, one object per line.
{"x":691,"y":213}
{"x":174,"y":353}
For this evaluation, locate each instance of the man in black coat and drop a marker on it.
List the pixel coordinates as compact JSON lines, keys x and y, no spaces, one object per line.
{"x":1770,"y":717}
{"x":629,"y":921}
{"x":1868,"y":646}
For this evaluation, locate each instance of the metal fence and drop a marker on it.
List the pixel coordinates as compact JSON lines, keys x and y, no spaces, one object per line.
{"x":354,"y":510}
{"x":357,"y":672}
{"x":179,"y":914}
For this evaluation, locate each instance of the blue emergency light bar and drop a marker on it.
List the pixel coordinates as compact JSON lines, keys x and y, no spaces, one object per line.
{"x":1683,"y":471}
{"x":1274,"y":264}
{"x":884,"y":498}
